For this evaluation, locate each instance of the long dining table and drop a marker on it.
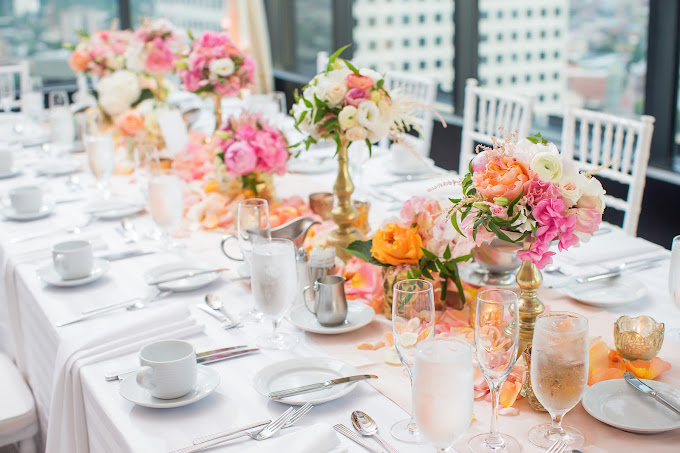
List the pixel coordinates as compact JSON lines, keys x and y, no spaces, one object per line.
{"x":80,"y":411}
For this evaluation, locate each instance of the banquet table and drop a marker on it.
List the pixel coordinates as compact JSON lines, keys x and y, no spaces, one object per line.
{"x":80,"y":411}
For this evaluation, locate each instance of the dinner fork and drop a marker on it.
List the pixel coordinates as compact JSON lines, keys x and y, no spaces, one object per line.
{"x":557,"y":447}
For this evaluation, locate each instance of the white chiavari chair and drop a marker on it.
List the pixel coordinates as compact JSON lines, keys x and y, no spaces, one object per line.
{"x":18,"y":418}
{"x":22,"y":70}
{"x":619,"y":145}
{"x":485,"y":111}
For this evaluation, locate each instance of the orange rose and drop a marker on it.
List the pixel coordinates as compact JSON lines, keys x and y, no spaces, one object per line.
{"x":359,"y":81}
{"x":503,"y":177}
{"x":130,"y":122}
{"x":395,"y":245}
{"x":79,"y":60}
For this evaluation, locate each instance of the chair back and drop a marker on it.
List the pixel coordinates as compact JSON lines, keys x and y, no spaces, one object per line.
{"x":22,"y":70}
{"x":321,"y":61}
{"x":485,"y":111}
{"x":619,"y":144}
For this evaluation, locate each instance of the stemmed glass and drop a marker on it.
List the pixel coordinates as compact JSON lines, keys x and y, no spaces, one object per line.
{"x":496,"y":343}
{"x":165,"y":202}
{"x":412,"y":322}
{"x":6,"y":91}
{"x":274,"y":283}
{"x":559,"y":373}
{"x":101,"y":160}
{"x":674,"y":275}
{"x":253,"y":227}
{"x":145,"y":157}
{"x":62,"y":127}
{"x":443,"y":363}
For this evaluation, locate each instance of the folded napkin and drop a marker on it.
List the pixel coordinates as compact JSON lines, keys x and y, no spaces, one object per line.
{"x":319,"y":438}
{"x":609,"y":247}
{"x":67,"y":427}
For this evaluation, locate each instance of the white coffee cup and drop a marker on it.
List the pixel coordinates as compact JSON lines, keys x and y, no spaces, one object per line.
{"x":73,"y":259}
{"x":26,"y":199}
{"x":6,"y":160}
{"x":168,"y":369}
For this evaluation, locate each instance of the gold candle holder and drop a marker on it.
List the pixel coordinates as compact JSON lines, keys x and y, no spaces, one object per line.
{"x":638,"y":338}
{"x":528,"y":279}
{"x":363,"y":208}
{"x":321,"y":204}
{"x":343,"y":214}
{"x":527,"y":391}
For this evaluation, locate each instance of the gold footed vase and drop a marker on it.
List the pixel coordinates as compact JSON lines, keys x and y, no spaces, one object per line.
{"x":528,"y":279}
{"x":217,"y":101}
{"x":343,"y":214}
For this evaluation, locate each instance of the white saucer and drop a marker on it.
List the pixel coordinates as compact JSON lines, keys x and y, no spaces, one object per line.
{"x":44,"y":211}
{"x":113,"y":209}
{"x":10,"y":174}
{"x":207,"y":381}
{"x":607,"y":293}
{"x":58,"y":167}
{"x":426,"y":166}
{"x":358,"y":315}
{"x":178,"y":269}
{"x":305,"y":371}
{"x":618,"y":404}
{"x":49,"y":275}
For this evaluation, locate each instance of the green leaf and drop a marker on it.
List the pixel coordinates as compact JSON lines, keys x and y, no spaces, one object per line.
{"x":512,"y":204}
{"x":335,"y":55}
{"x":143,"y":95}
{"x":537,"y":138}
{"x":427,"y":274}
{"x":498,"y":232}
{"x":370,"y":147}
{"x":362,"y":250}
{"x":459,"y":285}
{"x":429,"y":254}
{"x":350,"y":66}
{"x":308,"y":103}
{"x":460,"y":259}
{"x":190,"y":34}
{"x":454,"y":222}
{"x":302,"y":117}
{"x":380,"y":83}
{"x":447,"y":253}
{"x":82,"y":34}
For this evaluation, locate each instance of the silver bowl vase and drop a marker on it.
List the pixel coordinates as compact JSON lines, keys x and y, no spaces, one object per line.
{"x":498,"y":262}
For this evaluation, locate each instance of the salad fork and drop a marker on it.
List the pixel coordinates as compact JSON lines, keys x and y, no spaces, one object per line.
{"x":557,"y":447}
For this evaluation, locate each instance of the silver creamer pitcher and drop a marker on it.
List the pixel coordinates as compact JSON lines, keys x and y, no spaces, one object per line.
{"x":330,"y":305}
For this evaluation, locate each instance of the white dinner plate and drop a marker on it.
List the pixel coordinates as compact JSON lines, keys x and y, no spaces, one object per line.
{"x":10,"y":174}
{"x":305,"y":371}
{"x":178,"y":269}
{"x":426,"y":166}
{"x":45,"y":210}
{"x":113,"y":209}
{"x":616,"y":403}
{"x":58,"y":167}
{"x":359,"y":314}
{"x":49,"y":275}
{"x":314,"y":161}
{"x":607,"y":293}
{"x":207,"y":380}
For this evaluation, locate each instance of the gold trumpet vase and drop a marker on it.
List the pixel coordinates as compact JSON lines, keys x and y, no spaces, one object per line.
{"x":343,"y":214}
{"x":528,"y":279}
{"x":217,"y":101}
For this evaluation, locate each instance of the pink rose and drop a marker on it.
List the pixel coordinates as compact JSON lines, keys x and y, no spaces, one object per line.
{"x":240,"y":159}
{"x":356,"y":96}
{"x":587,"y":220}
{"x":479,"y":162}
{"x":159,"y":59}
{"x":359,"y":81}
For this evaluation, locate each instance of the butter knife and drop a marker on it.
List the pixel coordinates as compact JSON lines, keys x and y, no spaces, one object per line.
{"x":422,"y":177}
{"x":641,"y":386}
{"x":345,"y":431}
{"x":606,"y":275}
{"x":185,"y":276}
{"x":279,"y":394}
{"x":123,"y":255}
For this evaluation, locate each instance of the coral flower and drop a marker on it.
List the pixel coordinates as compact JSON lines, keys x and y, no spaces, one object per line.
{"x":503,"y":177}
{"x":395,"y":245}
{"x":79,"y":61}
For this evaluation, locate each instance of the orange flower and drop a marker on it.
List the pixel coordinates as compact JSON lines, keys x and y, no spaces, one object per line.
{"x":503,"y":177}
{"x":648,"y":369}
{"x":79,"y":60}
{"x":395,"y":245}
{"x":130,"y":122}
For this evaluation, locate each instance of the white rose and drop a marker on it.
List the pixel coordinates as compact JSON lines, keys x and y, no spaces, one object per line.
{"x":571,"y":188}
{"x":337,"y":75}
{"x":332,"y":93}
{"x":593,"y":187}
{"x":371,"y":73}
{"x":118,"y":91}
{"x":547,"y":166}
{"x":356,"y":133}
{"x":221,"y":67}
{"x":305,"y":125}
{"x":368,"y":115}
{"x":526,"y":150}
{"x":348,"y":117}
{"x":593,"y":195}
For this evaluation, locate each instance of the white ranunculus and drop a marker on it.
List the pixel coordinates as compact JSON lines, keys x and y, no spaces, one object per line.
{"x":356,"y":133}
{"x":593,"y":187}
{"x":525,"y":150}
{"x":571,"y":188}
{"x":118,"y":91}
{"x":134,"y":59}
{"x":348,"y":117}
{"x":337,"y":75}
{"x":593,"y":195}
{"x":221,"y":67}
{"x":547,"y":166}
{"x":375,"y":75}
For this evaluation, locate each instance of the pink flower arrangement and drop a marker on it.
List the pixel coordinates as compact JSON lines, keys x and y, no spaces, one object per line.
{"x":100,"y":53}
{"x":216,"y":65}
{"x":525,"y":191}
{"x":155,"y":47}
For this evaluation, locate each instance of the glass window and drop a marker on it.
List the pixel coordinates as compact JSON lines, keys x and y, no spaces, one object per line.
{"x":421,"y":42}
{"x":196,"y":15}
{"x":37,"y":30}
{"x":676,"y":150}
{"x":314,"y":25}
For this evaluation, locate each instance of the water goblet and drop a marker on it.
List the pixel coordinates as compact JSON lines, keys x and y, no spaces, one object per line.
{"x":165,"y":203}
{"x":559,"y":374}
{"x":442,"y":380}
{"x":274,"y":282}
{"x":496,"y":343}
{"x":101,"y":160}
{"x":253,"y":226}
{"x":412,"y":322}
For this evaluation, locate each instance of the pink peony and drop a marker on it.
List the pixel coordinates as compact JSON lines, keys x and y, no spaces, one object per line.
{"x":356,"y":96}
{"x":159,"y":58}
{"x":538,"y":190}
{"x":240,"y":159}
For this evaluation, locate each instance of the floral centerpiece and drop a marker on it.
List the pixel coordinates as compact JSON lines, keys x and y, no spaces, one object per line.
{"x":421,"y":242}
{"x":215,"y":66}
{"x":101,"y":53}
{"x":348,"y":105}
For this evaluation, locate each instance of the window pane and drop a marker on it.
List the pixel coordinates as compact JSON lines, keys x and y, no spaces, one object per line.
{"x":588,"y":53}
{"x":412,"y":36}
{"x":313,"y":28}
{"x":37,"y":29}
{"x":676,"y":149}
{"x":195,"y":15}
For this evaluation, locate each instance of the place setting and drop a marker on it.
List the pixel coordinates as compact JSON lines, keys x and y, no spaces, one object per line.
{"x":73,"y":264}
{"x":8,"y":167}
{"x":25,"y":204}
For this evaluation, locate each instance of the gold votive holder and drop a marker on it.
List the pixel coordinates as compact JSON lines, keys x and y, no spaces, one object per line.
{"x":361,"y":224}
{"x":321,"y":204}
{"x":638,"y":338}
{"x":527,"y":391}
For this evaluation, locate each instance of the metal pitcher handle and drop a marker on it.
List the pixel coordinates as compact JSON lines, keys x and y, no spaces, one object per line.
{"x":314,"y":288}
{"x":224,"y":241}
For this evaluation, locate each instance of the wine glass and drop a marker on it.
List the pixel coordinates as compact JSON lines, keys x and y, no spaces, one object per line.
{"x":674,"y":273}
{"x":101,"y":160}
{"x":165,"y":203}
{"x":496,"y":343}
{"x":253,"y":226}
{"x":7,"y":91}
{"x":274,"y":282}
{"x":145,"y":158}
{"x":559,"y":373}
{"x":62,"y":126}
{"x":412,"y":322}
{"x":443,"y":363}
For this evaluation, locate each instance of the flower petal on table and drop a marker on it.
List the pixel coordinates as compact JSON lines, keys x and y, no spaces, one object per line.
{"x":604,"y":374}
{"x":644,"y":369}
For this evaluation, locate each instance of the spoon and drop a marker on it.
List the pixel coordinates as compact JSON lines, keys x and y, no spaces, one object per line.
{"x":127,"y":229}
{"x":215,"y":302}
{"x":367,"y":427}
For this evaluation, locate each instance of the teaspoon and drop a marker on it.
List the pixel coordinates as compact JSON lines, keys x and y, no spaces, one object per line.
{"x":215,"y":302}
{"x":367,"y":427}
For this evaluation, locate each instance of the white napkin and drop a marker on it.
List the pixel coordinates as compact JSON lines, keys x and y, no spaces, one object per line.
{"x":609,"y":247}
{"x":319,"y":438}
{"x":67,"y":429}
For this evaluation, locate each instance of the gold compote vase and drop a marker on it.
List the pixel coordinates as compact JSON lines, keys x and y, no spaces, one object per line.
{"x":528,"y":279}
